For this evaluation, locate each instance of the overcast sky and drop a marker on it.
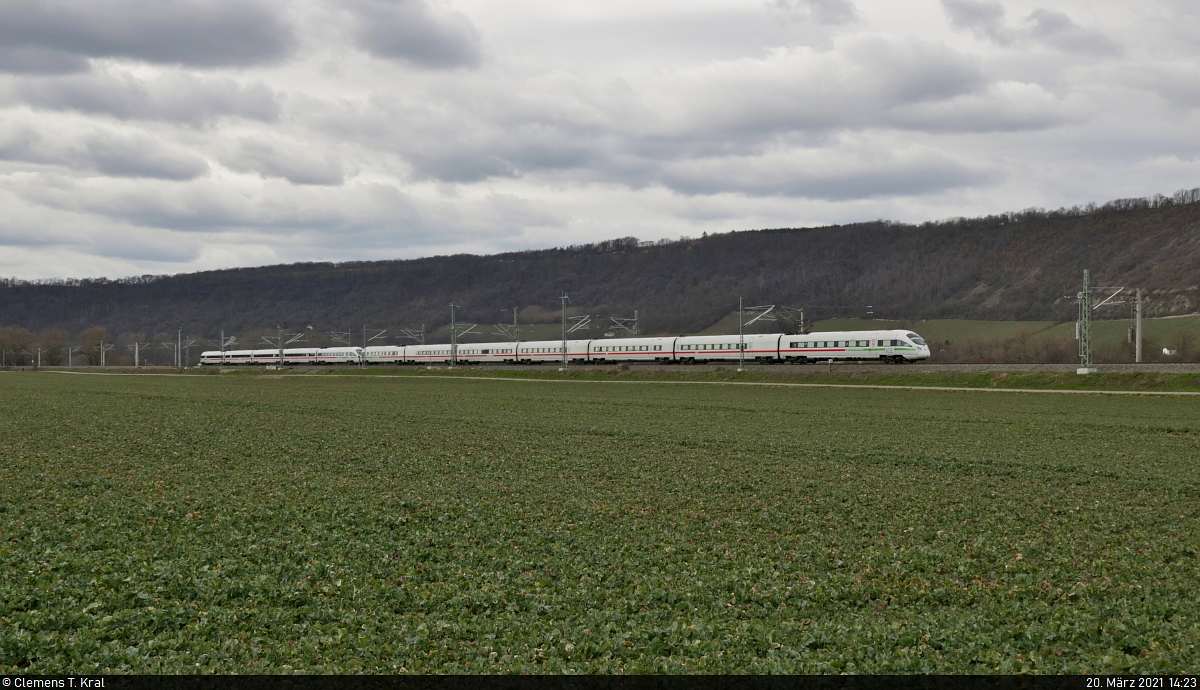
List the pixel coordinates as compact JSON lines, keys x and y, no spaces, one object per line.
{"x":141,"y":136}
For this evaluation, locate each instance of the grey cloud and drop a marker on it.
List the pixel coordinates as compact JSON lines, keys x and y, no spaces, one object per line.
{"x":58,"y":35}
{"x":367,"y":215}
{"x":911,"y":182}
{"x":731,"y":108}
{"x":37,"y":60}
{"x":849,"y":172}
{"x":1049,"y":27}
{"x":146,"y":245}
{"x":293,"y":162}
{"x":819,"y":11}
{"x":416,"y":31}
{"x":1003,"y":107}
{"x":506,"y":153}
{"x":105,"y":152}
{"x":1057,"y":29}
{"x":37,"y":228}
{"x":208,"y":205}
{"x":172,"y":97}
{"x":809,"y":91}
{"x":984,"y":19}
{"x":1178,"y":85}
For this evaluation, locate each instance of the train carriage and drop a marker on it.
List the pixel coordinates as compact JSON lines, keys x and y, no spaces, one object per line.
{"x":300,"y":355}
{"x":230,"y":358}
{"x":887,"y":346}
{"x":383,"y":354}
{"x":487,"y":353}
{"x":631,"y":350}
{"x":427,"y":354}
{"x":338,"y":355}
{"x":543,"y":351}
{"x":725,"y":348}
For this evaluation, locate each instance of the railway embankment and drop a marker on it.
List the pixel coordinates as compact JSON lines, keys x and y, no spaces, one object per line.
{"x":1115,"y":377}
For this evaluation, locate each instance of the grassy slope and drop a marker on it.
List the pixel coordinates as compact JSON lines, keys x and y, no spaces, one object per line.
{"x":338,"y":524}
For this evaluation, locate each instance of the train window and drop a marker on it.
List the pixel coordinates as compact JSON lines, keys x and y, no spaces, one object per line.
{"x":657,"y":348}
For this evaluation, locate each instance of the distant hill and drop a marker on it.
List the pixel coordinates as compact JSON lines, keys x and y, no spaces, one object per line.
{"x":1009,"y":266}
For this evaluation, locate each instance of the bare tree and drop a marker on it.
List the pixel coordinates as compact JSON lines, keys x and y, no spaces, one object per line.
{"x":89,"y":343}
{"x":1182,"y":341}
{"x":15,"y":343}
{"x":53,"y":342}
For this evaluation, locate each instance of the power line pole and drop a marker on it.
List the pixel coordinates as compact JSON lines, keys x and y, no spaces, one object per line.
{"x":179,"y":348}
{"x":565,"y":299}
{"x":453,"y":336}
{"x":1138,"y":329}
{"x":137,"y":347}
{"x":741,"y":339}
{"x":1085,"y":325}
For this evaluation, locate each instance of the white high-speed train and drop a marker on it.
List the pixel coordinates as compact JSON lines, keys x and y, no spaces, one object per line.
{"x":885,"y":346}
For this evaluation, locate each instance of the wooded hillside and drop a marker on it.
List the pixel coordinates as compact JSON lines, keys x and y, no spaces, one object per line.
{"x":1010,"y":266}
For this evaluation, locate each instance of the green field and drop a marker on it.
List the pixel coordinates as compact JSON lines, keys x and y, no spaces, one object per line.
{"x":327,"y":525}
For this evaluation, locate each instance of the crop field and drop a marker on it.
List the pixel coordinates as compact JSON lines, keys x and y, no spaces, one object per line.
{"x":329,"y":525}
